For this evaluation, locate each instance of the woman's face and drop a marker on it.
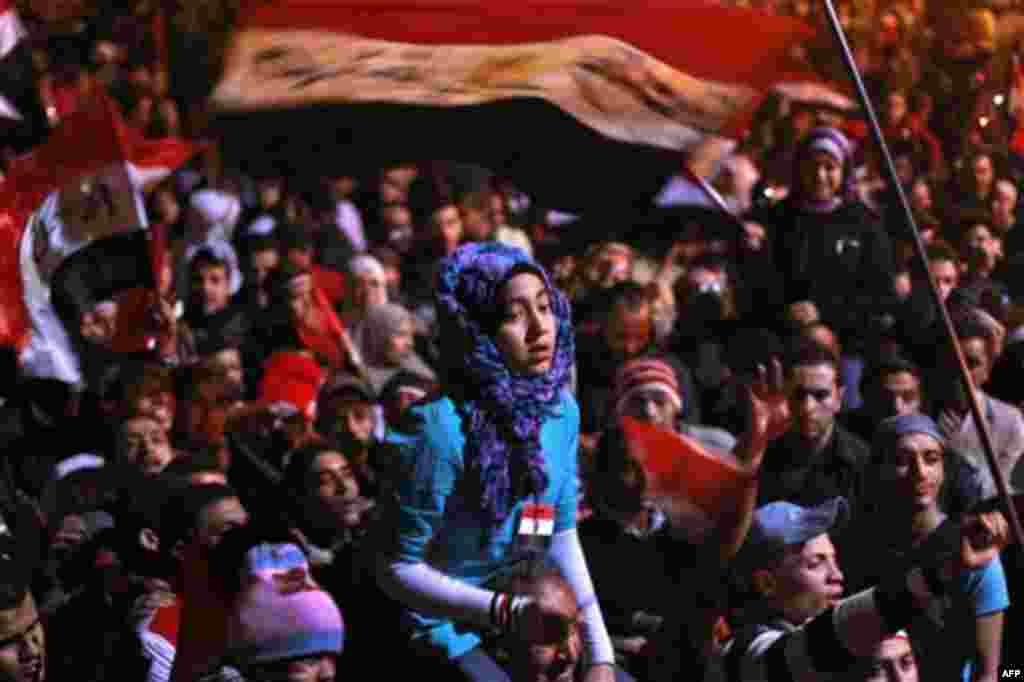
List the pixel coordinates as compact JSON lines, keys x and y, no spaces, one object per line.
{"x":399,"y":344}
{"x":527,"y":334}
{"x":822,"y":176}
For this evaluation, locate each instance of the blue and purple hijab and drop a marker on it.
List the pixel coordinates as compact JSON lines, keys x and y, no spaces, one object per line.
{"x":502,"y":411}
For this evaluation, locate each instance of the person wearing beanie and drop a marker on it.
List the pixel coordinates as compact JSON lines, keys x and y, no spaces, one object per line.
{"x":282,"y":620}
{"x":647,"y":388}
{"x":669,"y":552}
{"x":892,"y":386}
{"x":829,"y":250}
{"x":907,"y":523}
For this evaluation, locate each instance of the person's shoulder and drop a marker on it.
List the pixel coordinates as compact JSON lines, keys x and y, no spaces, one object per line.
{"x":568,"y":407}
{"x":1004,"y":411}
{"x":851,"y":447}
{"x":426,"y":416}
{"x":986,"y":588}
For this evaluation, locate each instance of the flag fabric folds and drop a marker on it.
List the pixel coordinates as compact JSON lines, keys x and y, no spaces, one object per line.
{"x":579,"y":102}
{"x":692,"y":484}
{"x":83,"y":184}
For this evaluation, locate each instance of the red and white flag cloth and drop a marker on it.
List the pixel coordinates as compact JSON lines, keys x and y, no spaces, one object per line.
{"x":692,"y":484}
{"x":503,"y":83}
{"x":83,"y":184}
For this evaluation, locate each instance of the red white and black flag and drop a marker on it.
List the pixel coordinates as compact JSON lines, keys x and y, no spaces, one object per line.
{"x":579,"y":102}
{"x":82,"y":185}
{"x":22,"y":121}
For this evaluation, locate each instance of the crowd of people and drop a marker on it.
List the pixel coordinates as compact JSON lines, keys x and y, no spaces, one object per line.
{"x":375,"y":421}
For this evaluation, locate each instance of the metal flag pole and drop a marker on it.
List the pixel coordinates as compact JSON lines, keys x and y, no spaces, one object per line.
{"x":890,"y":173}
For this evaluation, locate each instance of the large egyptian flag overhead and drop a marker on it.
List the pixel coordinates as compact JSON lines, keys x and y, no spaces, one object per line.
{"x":580,"y":102}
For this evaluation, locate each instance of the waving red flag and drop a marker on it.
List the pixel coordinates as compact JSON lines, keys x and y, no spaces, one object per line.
{"x":691,"y":483}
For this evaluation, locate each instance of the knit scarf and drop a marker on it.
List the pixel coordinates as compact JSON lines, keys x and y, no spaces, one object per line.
{"x":502,"y":412}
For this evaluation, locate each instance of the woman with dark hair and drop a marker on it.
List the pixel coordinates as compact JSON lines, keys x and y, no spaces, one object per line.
{"x":829,"y":249}
{"x":489,"y":470}
{"x":328,"y":507}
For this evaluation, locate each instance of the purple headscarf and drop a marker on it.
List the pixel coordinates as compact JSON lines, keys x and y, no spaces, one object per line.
{"x":502,"y":412}
{"x":839,"y":147}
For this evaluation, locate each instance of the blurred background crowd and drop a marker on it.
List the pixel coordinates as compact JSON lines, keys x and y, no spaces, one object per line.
{"x":117,"y":493}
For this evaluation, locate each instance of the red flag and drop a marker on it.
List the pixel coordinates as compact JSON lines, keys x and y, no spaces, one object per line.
{"x":94,"y":147}
{"x":691,"y":483}
{"x":579,"y":101}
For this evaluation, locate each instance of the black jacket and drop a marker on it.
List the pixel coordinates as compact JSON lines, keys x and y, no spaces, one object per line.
{"x":842,"y":261}
{"x":790,"y":473}
{"x":234,"y":323}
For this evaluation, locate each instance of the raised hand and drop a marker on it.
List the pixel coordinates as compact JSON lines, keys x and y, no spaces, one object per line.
{"x":767,"y":413}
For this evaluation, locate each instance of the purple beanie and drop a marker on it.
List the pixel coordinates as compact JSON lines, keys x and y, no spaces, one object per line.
{"x":281,"y":612}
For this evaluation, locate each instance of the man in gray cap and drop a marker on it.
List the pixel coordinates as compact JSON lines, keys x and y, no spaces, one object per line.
{"x":799,"y":627}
